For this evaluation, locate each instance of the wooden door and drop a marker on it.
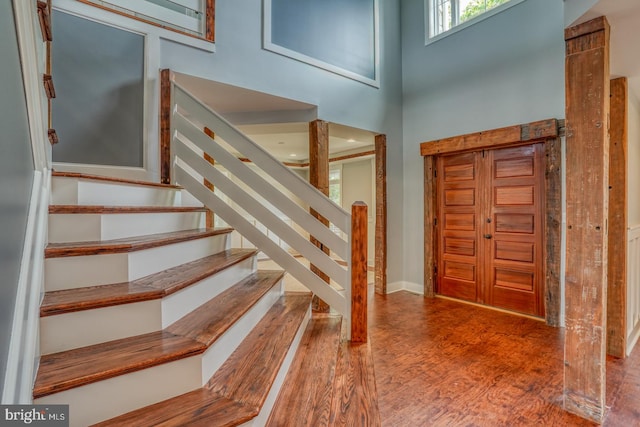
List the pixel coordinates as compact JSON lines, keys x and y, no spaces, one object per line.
{"x":490,"y":227}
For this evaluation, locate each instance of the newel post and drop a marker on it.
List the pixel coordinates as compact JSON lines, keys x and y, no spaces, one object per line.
{"x":359,"y":250}
{"x":165,"y":126}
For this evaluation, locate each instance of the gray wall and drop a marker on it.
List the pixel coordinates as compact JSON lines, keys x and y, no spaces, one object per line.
{"x":240,"y":60}
{"x":98,"y":112}
{"x":16,"y":174}
{"x":505,"y":70}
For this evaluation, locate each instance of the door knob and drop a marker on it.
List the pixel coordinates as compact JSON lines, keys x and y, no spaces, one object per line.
{"x":488,"y":236}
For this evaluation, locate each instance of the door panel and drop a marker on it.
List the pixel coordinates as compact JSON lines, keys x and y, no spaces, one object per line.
{"x":490,"y":237}
{"x":458,"y":261}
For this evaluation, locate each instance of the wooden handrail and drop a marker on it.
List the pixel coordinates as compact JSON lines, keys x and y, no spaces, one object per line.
{"x":359,"y":248}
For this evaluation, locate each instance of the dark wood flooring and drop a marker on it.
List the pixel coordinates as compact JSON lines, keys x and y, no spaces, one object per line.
{"x":444,"y":363}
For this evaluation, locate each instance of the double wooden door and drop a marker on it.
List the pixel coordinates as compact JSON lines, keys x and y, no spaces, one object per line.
{"x":490,"y":226}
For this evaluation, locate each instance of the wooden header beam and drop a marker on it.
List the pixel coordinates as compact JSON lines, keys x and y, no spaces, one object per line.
{"x":542,"y":130}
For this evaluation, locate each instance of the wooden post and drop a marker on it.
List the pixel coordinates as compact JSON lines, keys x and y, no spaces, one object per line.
{"x":207,"y":183}
{"x":553,"y":224}
{"x":319,"y":178}
{"x":429,"y":226}
{"x":617,"y":273}
{"x":359,"y":272}
{"x":587,"y":109}
{"x":165,"y":126}
{"x":210,"y":19}
{"x":381,"y":215}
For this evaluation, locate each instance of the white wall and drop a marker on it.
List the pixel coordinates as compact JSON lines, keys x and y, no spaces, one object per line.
{"x":633,"y":160}
{"x":505,"y":70}
{"x":358,"y":185}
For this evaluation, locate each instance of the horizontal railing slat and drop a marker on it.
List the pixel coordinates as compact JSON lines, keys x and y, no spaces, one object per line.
{"x":299,"y":215}
{"x":290,"y":180}
{"x":259,"y":211}
{"x":333,"y":297}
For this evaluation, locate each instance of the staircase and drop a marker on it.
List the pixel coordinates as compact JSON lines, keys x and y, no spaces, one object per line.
{"x":144,"y":306}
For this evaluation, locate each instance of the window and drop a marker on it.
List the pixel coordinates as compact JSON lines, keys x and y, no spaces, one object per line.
{"x":444,"y":15}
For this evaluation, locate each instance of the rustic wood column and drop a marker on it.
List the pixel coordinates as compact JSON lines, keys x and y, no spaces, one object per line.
{"x":381,"y":215}
{"x":319,"y":178}
{"x":617,"y":272}
{"x":429,"y":226}
{"x":207,"y":183}
{"x":587,"y":109}
{"x":359,"y":249}
{"x":553,"y":232}
{"x":165,"y":126}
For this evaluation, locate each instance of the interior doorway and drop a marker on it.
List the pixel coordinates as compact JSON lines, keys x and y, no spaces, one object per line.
{"x":490,"y":227}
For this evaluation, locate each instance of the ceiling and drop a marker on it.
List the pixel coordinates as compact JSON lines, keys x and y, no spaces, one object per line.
{"x":286,"y":133}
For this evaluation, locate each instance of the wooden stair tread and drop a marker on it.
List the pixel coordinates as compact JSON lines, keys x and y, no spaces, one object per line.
{"x":307,"y":391}
{"x":101,"y":209}
{"x":355,"y":399}
{"x":236,"y":392}
{"x":247,"y":375}
{"x":129,"y":244}
{"x":199,"y":408}
{"x":73,"y":368}
{"x":209,"y":321}
{"x":150,"y":287}
{"x":113,"y":179}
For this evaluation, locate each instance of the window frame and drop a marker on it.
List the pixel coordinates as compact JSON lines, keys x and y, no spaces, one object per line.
{"x":429,"y":19}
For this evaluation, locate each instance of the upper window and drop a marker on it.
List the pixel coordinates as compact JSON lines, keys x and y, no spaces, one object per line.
{"x":445,"y":15}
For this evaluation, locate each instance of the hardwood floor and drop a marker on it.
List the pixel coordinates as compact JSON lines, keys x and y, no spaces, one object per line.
{"x":443,"y":363}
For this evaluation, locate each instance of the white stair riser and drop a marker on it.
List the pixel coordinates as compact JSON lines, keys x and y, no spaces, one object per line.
{"x":267,"y":406}
{"x":218,"y":353}
{"x":181,"y":303}
{"x":65,"y":228}
{"x":106,"y":399}
{"x":74,"y":191}
{"x":83,"y":328}
{"x":91,"y":270}
{"x":87,"y":327}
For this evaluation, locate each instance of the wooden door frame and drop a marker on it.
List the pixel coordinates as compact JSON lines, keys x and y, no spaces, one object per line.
{"x":545,"y":131}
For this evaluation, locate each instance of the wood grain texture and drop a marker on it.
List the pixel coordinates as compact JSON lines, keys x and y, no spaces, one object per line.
{"x":430,"y":230}
{"x":587,"y":159}
{"x":91,"y":177}
{"x":129,"y":244}
{"x":199,"y":408}
{"x":441,"y":363}
{"x":210,"y":18}
{"x":99,"y":209}
{"x":307,"y":391}
{"x":49,"y":89}
{"x":165,"y":126}
{"x":74,"y":368}
{"x":359,"y":286}
{"x":380,"y":262}
{"x":53,"y":136}
{"x":535,"y":131}
{"x":207,"y":183}
{"x":319,"y":178}
{"x":617,"y":256}
{"x":553,"y":232}
{"x":248,"y":373}
{"x":355,"y":399}
{"x":150,"y":287}
{"x":208,"y":322}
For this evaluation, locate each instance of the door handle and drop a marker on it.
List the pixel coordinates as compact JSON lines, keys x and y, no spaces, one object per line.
{"x":488,"y":236}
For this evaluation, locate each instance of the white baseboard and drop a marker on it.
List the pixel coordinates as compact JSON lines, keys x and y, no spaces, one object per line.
{"x":405,"y":286}
{"x":24,"y":346}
